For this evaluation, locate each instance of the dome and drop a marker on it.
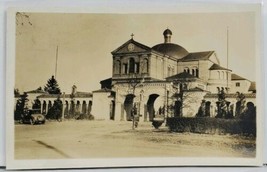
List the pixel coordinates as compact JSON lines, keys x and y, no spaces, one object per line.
{"x":167,"y":32}
{"x":170,"y":49}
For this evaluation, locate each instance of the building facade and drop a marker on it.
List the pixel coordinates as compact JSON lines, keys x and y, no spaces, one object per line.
{"x":167,"y":79}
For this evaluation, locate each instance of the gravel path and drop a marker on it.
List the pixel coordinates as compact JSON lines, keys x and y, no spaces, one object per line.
{"x":98,"y":139}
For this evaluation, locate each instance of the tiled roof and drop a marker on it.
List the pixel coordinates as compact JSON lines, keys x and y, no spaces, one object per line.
{"x":179,"y":76}
{"x":197,"y":56}
{"x":232,"y":95}
{"x":36,"y":91}
{"x":237,"y":77}
{"x":77,"y":95}
{"x":218,"y":67}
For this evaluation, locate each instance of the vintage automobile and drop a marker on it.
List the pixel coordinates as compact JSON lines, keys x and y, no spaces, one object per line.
{"x":31,"y":116}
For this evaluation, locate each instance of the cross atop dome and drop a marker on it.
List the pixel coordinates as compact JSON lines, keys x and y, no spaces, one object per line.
{"x":167,"y":35}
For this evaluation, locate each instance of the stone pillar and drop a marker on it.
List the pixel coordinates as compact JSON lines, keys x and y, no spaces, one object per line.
{"x":117,"y":116}
{"x":141,"y":110}
{"x":41,"y":107}
{"x":122,"y":112}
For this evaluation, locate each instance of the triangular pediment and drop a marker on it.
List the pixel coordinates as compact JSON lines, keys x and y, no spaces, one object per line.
{"x":131,"y":46}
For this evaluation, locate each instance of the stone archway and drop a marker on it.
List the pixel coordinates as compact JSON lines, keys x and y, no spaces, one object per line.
{"x":177,"y":108}
{"x":128,"y":105}
{"x":150,"y":106}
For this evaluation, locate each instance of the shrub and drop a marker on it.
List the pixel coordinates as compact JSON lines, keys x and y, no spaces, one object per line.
{"x":212,"y":125}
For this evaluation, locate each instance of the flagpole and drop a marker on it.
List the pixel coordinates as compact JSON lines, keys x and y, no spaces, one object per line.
{"x":56,"y":63}
{"x":227,"y":57}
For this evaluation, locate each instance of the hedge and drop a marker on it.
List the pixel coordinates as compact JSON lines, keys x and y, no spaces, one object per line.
{"x":206,"y":125}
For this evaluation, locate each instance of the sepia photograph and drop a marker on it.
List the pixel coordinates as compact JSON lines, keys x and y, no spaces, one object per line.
{"x":135,"y":86}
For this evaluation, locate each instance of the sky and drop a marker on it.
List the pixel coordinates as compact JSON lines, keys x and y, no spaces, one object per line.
{"x":85,"y":42}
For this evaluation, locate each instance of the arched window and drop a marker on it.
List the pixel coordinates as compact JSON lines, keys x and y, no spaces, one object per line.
{"x":186,"y":69}
{"x":197,"y":74}
{"x":131,"y":65}
{"x":117,"y":67}
{"x":193,"y":72}
{"x":219,"y":76}
{"x":222,"y":75}
{"x":172,"y":70}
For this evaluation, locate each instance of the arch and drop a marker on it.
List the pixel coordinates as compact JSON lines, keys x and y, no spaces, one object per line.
{"x":193,"y":72}
{"x":117,"y":69}
{"x":84,"y":107}
{"x":66,"y":111}
{"x":128,"y":105}
{"x":78,"y":107}
{"x":150,"y":106}
{"x":207,"y":108}
{"x":197,"y":73}
{"x":49,"y":105}
{"x":131,"y":65}
{"x":177,"y":108}
{"x":72,"y":109}
{"x":44,"y":107}
{"x":90,"y":103}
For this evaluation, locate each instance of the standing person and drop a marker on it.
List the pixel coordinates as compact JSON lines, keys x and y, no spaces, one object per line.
{"x":135,"y":116}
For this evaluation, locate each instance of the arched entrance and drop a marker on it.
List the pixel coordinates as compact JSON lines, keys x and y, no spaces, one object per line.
{"x":150,"y":106}
{"x":128,"y":104}
{"x":177,"y":108}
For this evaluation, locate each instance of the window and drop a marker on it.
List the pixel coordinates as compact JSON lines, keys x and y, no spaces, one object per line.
{"x":186,"y":70}
{"x":131,"y":65}
{"x":117,"y":69}
{"x":137,"y":67}
{"x":193,"y":72}
{"x":237,"y":84}
{"x":197,"y":75}
{"x":125,"y":67}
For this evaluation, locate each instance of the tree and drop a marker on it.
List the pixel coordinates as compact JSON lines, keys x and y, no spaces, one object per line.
{"x":37,"y":105}
{"x":21,"y":105}
{"x":55,"y":112}
{"x":52,"y":86}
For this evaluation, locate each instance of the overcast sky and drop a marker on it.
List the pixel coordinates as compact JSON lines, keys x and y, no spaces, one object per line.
{"x":86,"y":40}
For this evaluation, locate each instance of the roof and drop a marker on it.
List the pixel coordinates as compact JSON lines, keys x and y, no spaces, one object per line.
{"x":183,"y":75}
{"x":128,"y":42}
{"x":252,"y":86}
{"x":78,"y":94}
{"x":232,"y":95}
{"x":205,"y":55}
{"x":196,"y":89}
{"x":36,"y":91}
{"x":171,"y":49}
{"x":102,"y":90}
{"x":218,"y":67}
{"x":237,"y":77}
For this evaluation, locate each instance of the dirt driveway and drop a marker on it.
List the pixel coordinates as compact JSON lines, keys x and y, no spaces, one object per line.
{"x":93,"y":139}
